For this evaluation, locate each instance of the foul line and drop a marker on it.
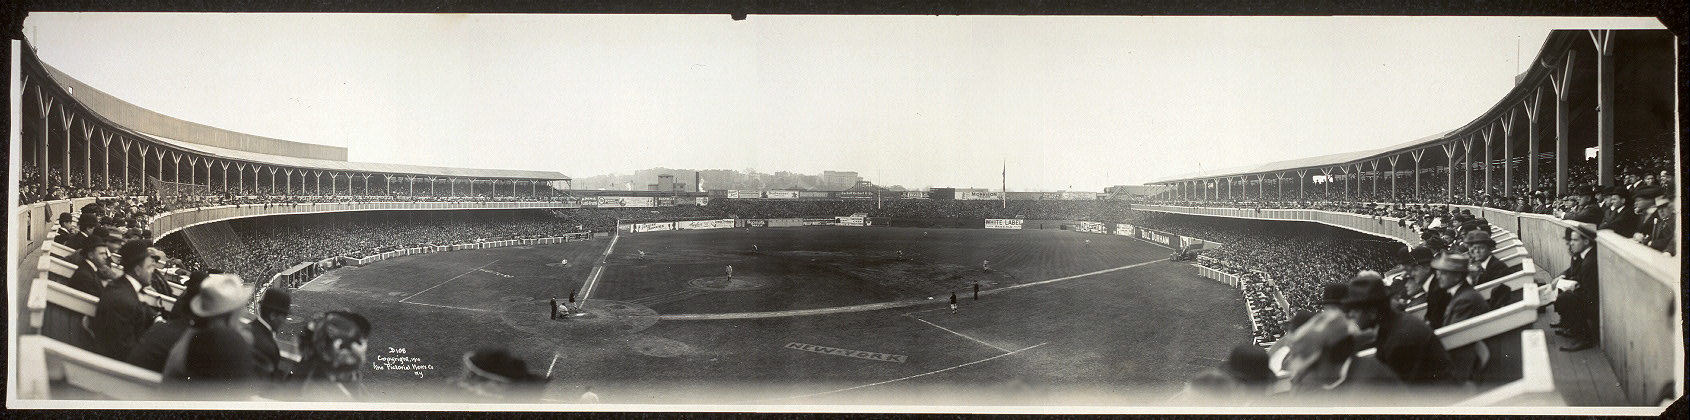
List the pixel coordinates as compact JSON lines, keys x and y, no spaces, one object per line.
{"x":447,"y":281}
{"x":961,"y":335}
{"x":598,"y":271}
{"x":878,"y":306}
{"x":471,"y":309}
{"x":988,"y":359}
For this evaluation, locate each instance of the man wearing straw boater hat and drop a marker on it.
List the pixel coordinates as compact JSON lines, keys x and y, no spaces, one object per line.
{"x":213,"y":359}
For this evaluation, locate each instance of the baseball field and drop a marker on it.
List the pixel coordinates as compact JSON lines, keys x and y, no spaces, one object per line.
{"x":811,"y":315}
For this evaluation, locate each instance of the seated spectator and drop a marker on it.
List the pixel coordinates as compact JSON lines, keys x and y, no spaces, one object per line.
{"x":120,"y":318}
{"x":1486,"y":267}
{"x":273,"y":311}
{"x":494,"y":375}
{"x":1325,"y":369}
{"x":1404,"y":343}
{"x":212,"y":359}
{"x":333,"y":348}
{"x":1580,"y":305}
{"x":1465,"y":303}
{"x":1617,"y":214}
{"x":153,"y":349}
{"x":65,"y":232}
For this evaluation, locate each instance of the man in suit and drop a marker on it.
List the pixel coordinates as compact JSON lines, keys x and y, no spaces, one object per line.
{"x":1324,"y":368}
{"x":120,"y":318}
{"x":1464,"y":303}
{"x":1585,"y":208}
{"x":1579,"y":307}
{"x":273,"y":311}
{"x":1617,"y":214}
{"x":65,"y":230}
{"x":1404,"y":343}
{"x":1486,"y":267}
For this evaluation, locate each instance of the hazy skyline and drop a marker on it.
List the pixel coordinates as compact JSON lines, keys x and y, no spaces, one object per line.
{"x":1066,"y":102}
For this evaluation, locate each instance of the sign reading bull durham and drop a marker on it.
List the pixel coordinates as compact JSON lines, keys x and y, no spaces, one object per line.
{"x":884,"y":357}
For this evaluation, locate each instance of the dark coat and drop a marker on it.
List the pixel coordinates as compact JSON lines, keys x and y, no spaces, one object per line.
{"x":1622,"y":221}
{"x":1588,"y":214}
{"x":1494,"y":269}
{"x":1583,"y":303}
{"x":1412,"y":350}
{"x":1466,"y":304}
{"x":1437,"y":300}
{"x":1662,"y":233}
{"x":84,"y":279}
{"x":266,"y":357}
{"x":120,"y":319}
{"x":154,"y":348}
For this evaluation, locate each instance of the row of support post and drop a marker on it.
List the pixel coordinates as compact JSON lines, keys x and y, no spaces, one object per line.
{"x":1459,"y":151}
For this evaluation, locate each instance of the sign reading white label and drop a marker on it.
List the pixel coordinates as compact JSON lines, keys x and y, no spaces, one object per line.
{"x":1003,"y":223}
{"x":896,"y":358}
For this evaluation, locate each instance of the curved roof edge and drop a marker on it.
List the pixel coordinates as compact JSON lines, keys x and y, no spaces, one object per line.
{"x":1554,"y":46}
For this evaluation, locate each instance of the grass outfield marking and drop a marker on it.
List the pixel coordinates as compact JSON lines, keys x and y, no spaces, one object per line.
{"x":447,"y":281}
{"x":988,"y":359}
{"x":598,"y":271}
{"x":879,"y":306}
{"x":961,"y":335}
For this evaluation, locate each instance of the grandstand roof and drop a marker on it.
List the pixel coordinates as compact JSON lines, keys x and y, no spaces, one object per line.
{"x":337,"y":165}
{"x":1322,"y":161}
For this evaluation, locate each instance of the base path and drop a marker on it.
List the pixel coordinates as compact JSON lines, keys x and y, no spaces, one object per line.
{"x":879,"y":306}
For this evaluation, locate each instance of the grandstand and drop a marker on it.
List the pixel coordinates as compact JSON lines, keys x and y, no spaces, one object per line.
{"x":376,"y":237}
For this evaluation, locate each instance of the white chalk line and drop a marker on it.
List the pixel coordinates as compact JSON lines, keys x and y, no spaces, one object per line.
{"x":407,"y":298}
{"x":471,"y":309}
{"x":961,"y":335}
{"x":988,"y":359}
{"x":598,"y":271}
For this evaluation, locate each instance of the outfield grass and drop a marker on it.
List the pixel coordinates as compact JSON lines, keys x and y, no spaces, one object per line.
{"x":1122,"y":337}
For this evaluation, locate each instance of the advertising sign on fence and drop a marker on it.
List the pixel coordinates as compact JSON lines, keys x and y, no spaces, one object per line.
{"x":1092,"y":227}
{"x":754,"y":222}
{"x":915,"y":195}
{"x":820,"y":222}
{"x":855,"y":194}
{"x":1003,"y":223}
{"x":782,"y":194}
{"x":1124,"y":229}
{"x":705,"y":224}
{"x":654,"y":227}
{"x":785,"y":222}
{"x":854,"y":220}
{"x":1170,"y":240}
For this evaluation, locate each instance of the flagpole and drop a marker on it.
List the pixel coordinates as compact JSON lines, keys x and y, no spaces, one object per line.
{"x":1003,"y":189}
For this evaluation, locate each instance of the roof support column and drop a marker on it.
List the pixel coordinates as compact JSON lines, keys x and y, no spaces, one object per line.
{"x":1487,"y":158}
{"x":1532,"y":106}
{"x":1449,"y":155}
{"x":1302,"y":183}
{"x":1375,"y":164}
{"x":1417,"y":154}
{"x":123,"y":143}
{"x":1508,"y":152}
{"x":1604,"y":40}
{"x":1467,"y":166}
{"x":68,"y":117}
{"x":240,"y":177}
{"x":1394,"y":174}
{"x":1327,"y":172}
{"x":105,"y":157}
{"x":46,"y":104}
{"x":87,"y":154}
{"x":1561,"y":122}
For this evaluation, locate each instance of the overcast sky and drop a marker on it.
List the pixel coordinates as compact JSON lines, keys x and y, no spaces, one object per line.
{"x":1068,"y":102}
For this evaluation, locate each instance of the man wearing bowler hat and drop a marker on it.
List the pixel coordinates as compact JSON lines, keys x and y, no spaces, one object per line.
{"x":1404,"y":343}
{"x":1486,"y":266}
{"x":273,"y":309}
{"x":1585,"y":210}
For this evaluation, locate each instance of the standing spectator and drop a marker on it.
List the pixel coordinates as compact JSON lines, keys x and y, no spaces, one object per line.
{"x":332,"y":351}
{"x":1465,"y":303}
{"x":1617,"y":214}
{"x":213,"y":358}
{"x":273,"y":309}
{"x":153,"y":350}
{"x":120,"y":318}
{"x":1579,"y":306}
{"x":1404,"y":343}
